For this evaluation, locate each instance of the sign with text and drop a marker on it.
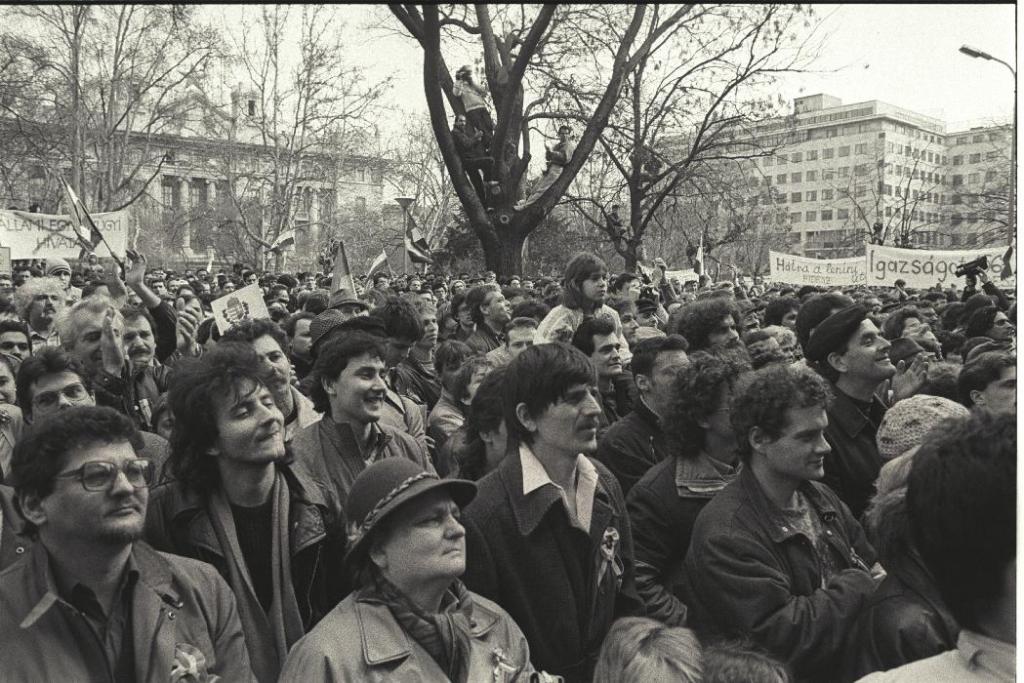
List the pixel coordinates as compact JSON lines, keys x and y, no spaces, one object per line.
{"x":800,"y":270}
{"x":921,"y":269}
{"x":682,"y":276}
{"x":243,"y":304}
{"x":40,"y":235}
{"x":5,"y":261}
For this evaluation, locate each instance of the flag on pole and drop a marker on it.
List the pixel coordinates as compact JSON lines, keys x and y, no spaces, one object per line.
{"x":416,"y":244}
{"x":81,"y":222}
{"x":1007,"y":264}
{"x":209,"y":263}
{"x":341,"y":280}
{"x":285,"y":239}
{"x":378,"y":263}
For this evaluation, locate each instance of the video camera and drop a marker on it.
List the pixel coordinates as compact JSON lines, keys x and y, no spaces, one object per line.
{"x":972,"y":268}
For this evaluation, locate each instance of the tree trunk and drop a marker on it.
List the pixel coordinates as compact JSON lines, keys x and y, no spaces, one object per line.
{"x":630,"y":257}
{"x":503,"y":249}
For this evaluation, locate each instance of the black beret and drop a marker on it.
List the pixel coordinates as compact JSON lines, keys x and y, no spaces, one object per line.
{"x":904,"y":349}
{"x":834,"y":331}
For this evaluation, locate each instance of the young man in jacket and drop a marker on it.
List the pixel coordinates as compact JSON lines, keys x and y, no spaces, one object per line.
{"x":276,"y":536}
{"x":548,"y":537}
{"x":90,"y":601}
{"x":776,"y":557}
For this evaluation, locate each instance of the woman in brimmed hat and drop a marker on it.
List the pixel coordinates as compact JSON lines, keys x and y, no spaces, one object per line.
{"x":410,"y":617}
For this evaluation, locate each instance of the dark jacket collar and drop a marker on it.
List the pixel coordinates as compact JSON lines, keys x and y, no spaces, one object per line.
{"x":646,"y":415}
{"x":530,"y":510}
{"x":778,"y":527}
{"x":845,"y":413}
{"x":697,"y":477}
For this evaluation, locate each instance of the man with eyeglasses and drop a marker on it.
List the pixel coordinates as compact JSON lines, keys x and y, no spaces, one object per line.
{"x":90,"y":601}
{"x":51,"y":381}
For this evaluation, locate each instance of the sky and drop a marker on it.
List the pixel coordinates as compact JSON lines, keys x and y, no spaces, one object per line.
{"x":904,"y":54}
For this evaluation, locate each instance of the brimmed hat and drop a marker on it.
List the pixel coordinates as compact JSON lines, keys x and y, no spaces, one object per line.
{"x":834,"y":331}
{"x":323,"y":323}
{"x":906,"y":423}
{"x":344,"y":297}
{"x":386,"y":485}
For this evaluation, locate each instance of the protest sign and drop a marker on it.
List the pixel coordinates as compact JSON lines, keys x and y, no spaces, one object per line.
{"x":921,"y":269}
{"x":41,"y":236}
{"x":800,"y":270}
{"x":243,"y":304}
{"x":5,"y":261}
{"x":682,"y":276}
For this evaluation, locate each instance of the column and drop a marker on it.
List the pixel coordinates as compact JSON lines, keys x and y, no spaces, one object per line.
{"x":186,"y":238}
{"x":314,"y":226}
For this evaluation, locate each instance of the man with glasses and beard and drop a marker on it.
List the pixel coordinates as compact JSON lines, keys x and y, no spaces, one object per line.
{"x":91,"y":601}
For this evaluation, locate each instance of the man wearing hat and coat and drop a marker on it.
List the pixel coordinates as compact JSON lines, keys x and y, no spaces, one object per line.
{"x":60,"y":269}
{"x":410,"y":617}
{"x":849,"y":351}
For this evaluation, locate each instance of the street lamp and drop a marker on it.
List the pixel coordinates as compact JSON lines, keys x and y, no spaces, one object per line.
{"x":405,"y":203}
{"x":1011,"y":227}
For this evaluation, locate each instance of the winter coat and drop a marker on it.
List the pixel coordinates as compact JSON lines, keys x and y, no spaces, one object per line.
{"x":852,"y":466}
{"x":748,"y":573}
{"x":632,"y":446}
{"x":175,"y":601}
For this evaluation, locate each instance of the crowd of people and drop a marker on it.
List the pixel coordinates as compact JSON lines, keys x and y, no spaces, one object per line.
{"x":599,"y":477}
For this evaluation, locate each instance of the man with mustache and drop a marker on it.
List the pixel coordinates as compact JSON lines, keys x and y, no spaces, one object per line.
{"x":709,"y":325}
{"x":275,"y":535}
{"x":270,"y":343}
{"x":849,"y":351}
{"x":548,"y":537}
{"x":349,"y":389}
{"x":90,"y":601}
{"x":40,"y":302}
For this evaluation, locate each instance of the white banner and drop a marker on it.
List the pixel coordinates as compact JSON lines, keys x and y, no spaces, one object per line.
{"x":800,"y":270}
{"x":243,"y":304}
{"x":921,"y":268}
{"x":682,"y":276}
{"x":40,"y":235}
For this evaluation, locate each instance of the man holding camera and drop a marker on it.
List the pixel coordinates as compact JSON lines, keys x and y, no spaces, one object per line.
{"x":975,"y":270}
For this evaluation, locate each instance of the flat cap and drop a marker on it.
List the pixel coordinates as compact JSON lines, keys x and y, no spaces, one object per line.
{"x":833,"y":332}
{"x":904,"y":349}
{"x":323,"y":323}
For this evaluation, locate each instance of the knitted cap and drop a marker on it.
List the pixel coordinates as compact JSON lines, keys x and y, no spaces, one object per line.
{"x":56,"y":264}
{"x":906,"y":423}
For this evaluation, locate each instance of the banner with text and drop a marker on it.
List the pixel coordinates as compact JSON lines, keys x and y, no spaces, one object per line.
{"x":921,"y":269}
{"x":683,"y":276}
{"x":40,"y":235}
{"x":800,"y":270}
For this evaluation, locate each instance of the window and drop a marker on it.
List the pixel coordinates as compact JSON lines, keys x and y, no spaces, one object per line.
{"x":796,"y":157}
{"x":974,"y":178}
{"x":812,"y":196}
{"x":930,"y":157}
{"x":962,"y":140}
{"x":794,"y":217}
{"x":251,"y":108}
{"x":861,"y":169}
{"x":782,"y":198}
{"x":976,"y":158}
{"x":827,"y":153}
{"x":781,"y":179}
{"x":861,"y":148}
{"x":957,"y":219}
{"x":811,"y":216}
{"x":899,"y":170}
{"x":361,"y":175}
{"x":958,"y":160}
{"x":978,"y":138}
{"x":796,"y":198}
{"x":888,"y":212}
{"x":826,"y":215}
{"x":887,"y":189}
{"x":796,"y":177}
{"x":812,"y":176}
{"x":844,"y":171}
{"x":828,"y":174}
{"x":767,"y":180}
{"x":360,"y":203}
{"x":990,"y":175}
{"x":861,"y":191}
{"x":768,"y":161}
{"x":991,"y":156}
{"x":812,"y":155}
{"x":844,"y":151}
{"x":995,"y":137}
{"x":783,"y":159}
{"x":843,"y":214}
{"x":827,"y":195}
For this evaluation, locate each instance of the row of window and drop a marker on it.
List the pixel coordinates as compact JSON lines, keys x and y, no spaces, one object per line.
{"x":975,"y":158}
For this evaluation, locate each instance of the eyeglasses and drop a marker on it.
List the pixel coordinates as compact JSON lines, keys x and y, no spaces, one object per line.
{"x":73,"y":392}
{"x":99,"y":475}
{"x":10,"y":346}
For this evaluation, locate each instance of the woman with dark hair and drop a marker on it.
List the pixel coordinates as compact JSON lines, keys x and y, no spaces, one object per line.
{"x":664,"y":504}
{"x":410,"y":617}
{"x":583,"y":296}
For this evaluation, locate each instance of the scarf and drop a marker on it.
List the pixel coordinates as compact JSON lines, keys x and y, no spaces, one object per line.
{"x":445,"y":635}
{"x":268,"y":636}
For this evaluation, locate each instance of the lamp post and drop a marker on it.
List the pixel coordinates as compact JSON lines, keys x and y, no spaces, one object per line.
{"x":405,"y":203}
{"x":1011,"y":227}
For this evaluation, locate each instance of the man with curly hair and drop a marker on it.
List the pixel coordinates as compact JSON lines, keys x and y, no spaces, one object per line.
{"x":776,"y":557}
{"x":276,"y":535}
{"x":708,"y":324}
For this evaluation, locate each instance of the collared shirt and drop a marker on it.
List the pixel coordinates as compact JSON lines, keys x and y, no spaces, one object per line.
{"x":584,"y":474}
{"x":39,"y":340}
{"x":114,"y":629}
{"x":976,"y":658}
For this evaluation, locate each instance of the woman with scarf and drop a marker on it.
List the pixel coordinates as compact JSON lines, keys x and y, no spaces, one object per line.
{"x":410,"y":618}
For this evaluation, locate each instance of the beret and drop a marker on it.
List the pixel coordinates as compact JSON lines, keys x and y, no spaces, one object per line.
{"x":904,"y":349}
{"x":834,"y":331}
{"x":646,"y":306}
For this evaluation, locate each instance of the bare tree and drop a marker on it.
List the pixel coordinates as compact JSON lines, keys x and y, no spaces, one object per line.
{"x":690,"y":108}
{"x":516,"y":43}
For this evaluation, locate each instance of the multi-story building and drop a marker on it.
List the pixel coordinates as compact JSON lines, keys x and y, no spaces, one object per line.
{"x":872,"y":170}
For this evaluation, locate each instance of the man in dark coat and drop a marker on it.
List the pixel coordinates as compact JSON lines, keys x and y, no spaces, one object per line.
{"x":548,"y":537}
{"x":636,"y":443}
{"x":776,"y":557}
